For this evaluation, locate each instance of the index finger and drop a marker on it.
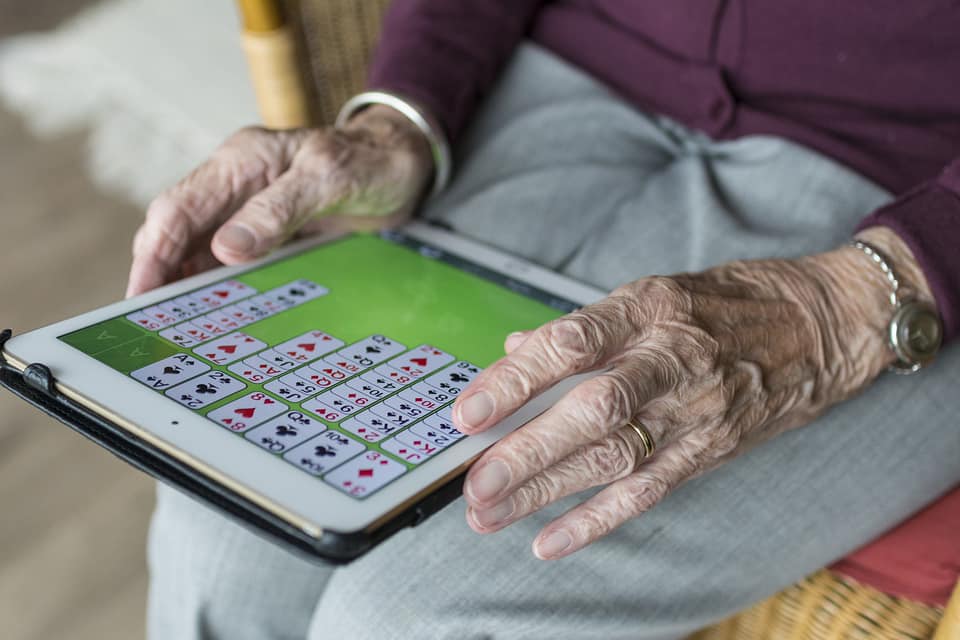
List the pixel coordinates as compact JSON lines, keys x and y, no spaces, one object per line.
{"x":581,"y":341}
{"x":191,"y":209}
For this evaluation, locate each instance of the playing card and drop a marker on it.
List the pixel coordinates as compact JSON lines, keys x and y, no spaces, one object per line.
{"x":382,"y":382}
{"x":391,"y":415}
{"x":279,"y":360}
{"x":422,"y":400}
{"x":426,"y":390}
{"x":347,"y":366}
{"x":141,"y":319}
{"x":269,"y":303}
{"x":435,"y":436}
{"x":403,"y":451}
{"x":365,"y":474}
{"x":205,"y":390}
{"x":161,"y":315}
{"x":389,"y":373}
{"x":192,"y":306}
{"x":300,"y":291}
{"x":208,"y":326}
{"x":177,"y":336}
{"x":421,"y":361}
{"x":255,"y":369}
{"x":248,"y":411}
{"x":443,"y":424}
{"x":324,"y":452}
{"x":422,"y":445}
{"x":371,"y":351}
{"x":454,"y":379}
{"x":322,"y":410}
{"x":327,"y":369}
{"x":405,"y":407}
{"x":291,"y":388}
{"x":254,"y":310}
{"x":170,"y":371}
{"x":180,"y":312}
{"x":219,"y":318}
{"x":352,"y":395}
{"x":316,"y":378}
{"x":362,"y":428}
{"x":230,"y":348}
{"x":336,"y":403}
{"x":284,"y":432}
{"x":309,"y":346}
{"x":223,"y":293}
{"x":199,"y":334}
{"x":238,"y":315}
{"x":370,"y":390}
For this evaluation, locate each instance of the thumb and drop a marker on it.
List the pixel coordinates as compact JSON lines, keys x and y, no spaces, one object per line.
{"x":272,"y":216}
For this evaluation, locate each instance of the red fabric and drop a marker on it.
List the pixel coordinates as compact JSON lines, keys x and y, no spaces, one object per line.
{"x":919,"y":559}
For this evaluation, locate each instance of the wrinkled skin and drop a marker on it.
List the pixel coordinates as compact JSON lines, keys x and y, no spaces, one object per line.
{"x":261,"y":187}
{"x":711,"y":363}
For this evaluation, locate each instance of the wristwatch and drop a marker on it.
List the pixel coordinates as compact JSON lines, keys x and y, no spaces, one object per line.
{"x":915,"y":332}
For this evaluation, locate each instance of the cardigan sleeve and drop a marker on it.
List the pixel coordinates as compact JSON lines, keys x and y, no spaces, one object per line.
{"x":928,"y":220}
{"x":447,"y":55}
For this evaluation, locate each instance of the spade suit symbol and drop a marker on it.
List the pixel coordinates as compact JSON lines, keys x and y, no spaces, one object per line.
{"x":172,"y":371}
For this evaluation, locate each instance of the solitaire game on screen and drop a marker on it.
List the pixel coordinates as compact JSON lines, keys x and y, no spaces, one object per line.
{"x":343,"y":360}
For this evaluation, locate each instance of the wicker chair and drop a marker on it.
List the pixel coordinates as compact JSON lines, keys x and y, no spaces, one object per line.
{"x":306,"y":58}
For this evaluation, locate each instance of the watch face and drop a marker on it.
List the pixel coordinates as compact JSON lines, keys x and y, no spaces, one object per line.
{"x":916,"y":333}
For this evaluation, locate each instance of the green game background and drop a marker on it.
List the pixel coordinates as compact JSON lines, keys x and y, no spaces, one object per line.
{"x":376,"y":286}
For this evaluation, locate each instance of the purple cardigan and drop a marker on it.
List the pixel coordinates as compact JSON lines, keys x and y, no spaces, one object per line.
{"x":875,"y":85}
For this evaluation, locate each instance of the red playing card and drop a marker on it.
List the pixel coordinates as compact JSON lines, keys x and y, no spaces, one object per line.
{"x":246,"y":412}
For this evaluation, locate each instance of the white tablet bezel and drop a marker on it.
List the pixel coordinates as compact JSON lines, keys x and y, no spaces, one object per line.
{"x":268,"y":481}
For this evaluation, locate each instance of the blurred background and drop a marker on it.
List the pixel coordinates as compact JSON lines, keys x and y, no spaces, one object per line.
{"x":101,"y":105}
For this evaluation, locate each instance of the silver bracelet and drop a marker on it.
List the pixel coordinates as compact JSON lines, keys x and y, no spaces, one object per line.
{"x":881,"y":262}
{"x":439,"y":147}
{"x":915,"y":332}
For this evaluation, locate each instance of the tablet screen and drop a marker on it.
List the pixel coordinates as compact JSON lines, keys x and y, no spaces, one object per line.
{"x":343,"y":360}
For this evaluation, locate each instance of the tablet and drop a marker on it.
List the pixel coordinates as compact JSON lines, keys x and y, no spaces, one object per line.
{"x":308,"y":394}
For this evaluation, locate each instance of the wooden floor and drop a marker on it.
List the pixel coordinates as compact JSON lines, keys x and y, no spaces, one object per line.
{"x":72,"y":518}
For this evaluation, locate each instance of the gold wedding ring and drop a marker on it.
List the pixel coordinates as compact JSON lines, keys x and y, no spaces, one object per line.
{"x":649,"y":447}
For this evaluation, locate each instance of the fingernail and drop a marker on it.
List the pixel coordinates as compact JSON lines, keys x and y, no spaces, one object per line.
{"x":475,"y":409}
{"x":489,"y":481}
{"x":554,"y":544}
{"x":237,"y":238}
{"x":495,"y":514}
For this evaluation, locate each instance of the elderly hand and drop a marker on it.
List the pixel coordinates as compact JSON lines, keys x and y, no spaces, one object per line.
{"x":265,"y":186}
{"x":710,"y":363}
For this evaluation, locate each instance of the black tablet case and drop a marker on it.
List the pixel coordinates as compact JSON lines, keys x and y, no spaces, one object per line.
{"x":36,"y":385}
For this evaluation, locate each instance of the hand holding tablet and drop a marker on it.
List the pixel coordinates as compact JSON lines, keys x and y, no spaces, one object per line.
{"x":310,"y":393}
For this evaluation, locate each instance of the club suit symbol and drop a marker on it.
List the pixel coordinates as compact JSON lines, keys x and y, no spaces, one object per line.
{"x":284,"y":430}
{"x":458,"y":377}
{"x":204,"y":388}
{"x":322,"y":451}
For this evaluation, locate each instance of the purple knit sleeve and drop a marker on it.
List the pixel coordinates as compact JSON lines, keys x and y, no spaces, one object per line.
{"x":447,"y":54}
{"x":928,"y":220}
